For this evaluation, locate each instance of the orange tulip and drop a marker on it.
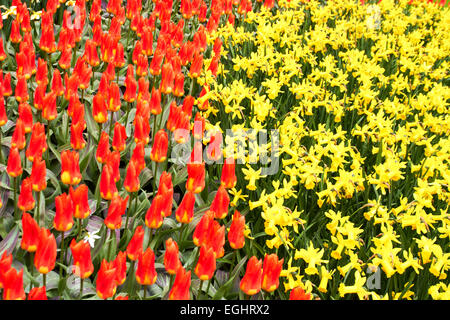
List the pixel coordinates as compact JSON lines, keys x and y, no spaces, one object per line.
{"x":236,"y":234}
{"x":185,"y":211}
{"x":119,"y":137}
{"x":220,"y":203}
{"x":45,"y":257}
{"x":134,"y":248}
{"x":38,"y":175}
{"x":38,"y":142}
{"x":116,"y":210}
{"x":154,"y":216}
{"x":299,"y":294}
{"x":70,"y":167}
{"x":82,"y":262}
{"x":181,"y":286}
{"x":63,"y":220}
{"x":160,"y":145}
{"x":251,"y":282}
{"x":5,"y":265}
{"x":228,"y":178}
{"x":145,"y":271}
{"x":13,"y":285}
{"x":206,"y":265}
{"x":103,"y":150}
{"x":38,"y":294}
{"x":26,"y":201}
{"x":131,"y":182}
{"x":120,"y":263}
{"x":271,"y":272}
{"x":14,"y":167}
{"x":106,"y":284}
{"x":171,"y":259}
{"x":108,"y":187}
{"x":30,"y":234}
{"x":79,"y":197}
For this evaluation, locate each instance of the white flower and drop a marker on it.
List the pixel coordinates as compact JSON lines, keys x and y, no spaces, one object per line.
{"x":91,"y":237}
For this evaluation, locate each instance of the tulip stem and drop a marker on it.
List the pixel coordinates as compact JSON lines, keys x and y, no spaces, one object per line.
{"x":62,"y":253}
{"x":112,"y":244}
{"x":145,"y":291}
{"x":15,"y":183}
{"x":79,"y":229}
{"x":81,"y":287}
{"x":131,"y":280}
{"x":150,"y":238}
{"x":200,"y":290}
{"x":1,"y":151}
{"x":44,"y":279}
{"x":38,"y":205}
{"x":133,"y":196}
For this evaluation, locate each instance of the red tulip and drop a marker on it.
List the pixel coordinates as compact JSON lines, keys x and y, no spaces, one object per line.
{"x":70,"y":167}
{"x":30,"y":233}
{"x":103,"y":149}
{"x":119,"y":137}
{"x":45,"y":256}
{"x":299,"y":294}
{"x":5,"y":265}
{"x":171,"y":259}
{"x":160,"y":145}
{"x":271,"y":272}
{"x":38,"y":294}
{"x":134,"y":247}
{"x":38,"y":175}
{"x":251,"y":282}
{"x":154,"y":216}
{"x":206,"y":265}
{"x":120,"y":263}
{"x":236,"y":234}
{"x":26,"y":201}
{"x":108,"y":187}
{"x":220,"y":203}
{"x":145,"y":271}
{"x":116,"y":210}
{"x":14,"y":167}
{"x":82,"y":262}
{"x":63,"y":220}
{"x":181,"y":286}
{"x":106,"y":284}
{"x":131,"y":182}
{"x":79,"y":197}
{"x":13,"y":285}
{"x":185,"y":211}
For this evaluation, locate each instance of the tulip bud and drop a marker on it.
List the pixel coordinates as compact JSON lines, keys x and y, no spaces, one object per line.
{"x":106,"y":284}
{"x":271,"y":272}
{"x":26,"y":201}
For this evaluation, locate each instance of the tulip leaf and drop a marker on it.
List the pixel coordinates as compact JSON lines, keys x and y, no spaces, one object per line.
{"x":225,"y":288}
{"x":10,"y":241}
